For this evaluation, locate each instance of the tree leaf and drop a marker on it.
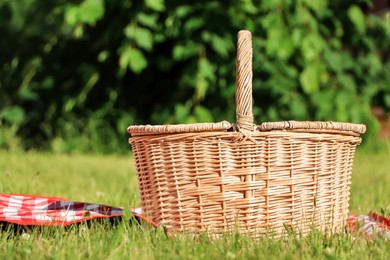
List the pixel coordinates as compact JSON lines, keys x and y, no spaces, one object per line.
{"x":357,"y":17}
{"x":274,"y":37}
{"x":298,"y":109}
{"x":72,"y":15}
{"x":133,"y":59}
{"x":318,"y":6}
{"x":149,"y":20}
{"x":324,"y":108}
{"x":337,"y":61}
{"x":202,"y":114}
{"x":182,"y":52}
{"x":14,"y":115}
{"x":312,"y":45}
{"x":271,"y":4}
{"x":137,"y":61}
{"x":28,"y":94}
{"x":343,"y":105}
{"x":206,"y":73}
{"x":91,"y":11}
{"x":386,"y":98}
{"x":142,"y":36}
{"x":156,"y":5}
{"x":194,"y":23}
{"x":183,"y":10}
{"x":20,"y":10}
{"x":220,"y":45}
{"x":374,"y":64}
{"x":310,"y":79}
{"x":181,"y":113}
{"x":279,"y":42}
{"x":347,"y":82}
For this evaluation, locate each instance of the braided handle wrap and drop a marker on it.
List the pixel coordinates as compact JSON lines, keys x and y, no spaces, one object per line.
{"x":244,"y":116}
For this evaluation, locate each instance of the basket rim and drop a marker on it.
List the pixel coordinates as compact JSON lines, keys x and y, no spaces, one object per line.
{"x":224,"y":126}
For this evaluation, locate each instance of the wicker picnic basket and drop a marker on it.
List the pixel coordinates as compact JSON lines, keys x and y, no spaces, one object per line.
{"x":255,"y":179}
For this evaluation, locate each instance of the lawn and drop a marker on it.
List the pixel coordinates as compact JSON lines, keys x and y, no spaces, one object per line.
{"x":111,"y":179}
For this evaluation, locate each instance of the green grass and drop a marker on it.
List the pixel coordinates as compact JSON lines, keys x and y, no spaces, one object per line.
{"x":106,"y":179}
{"x":111,"y":180}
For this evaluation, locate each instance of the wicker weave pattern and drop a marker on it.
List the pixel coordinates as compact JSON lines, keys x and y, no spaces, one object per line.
{"x":207,"y":181}
{"x":257,"y":179}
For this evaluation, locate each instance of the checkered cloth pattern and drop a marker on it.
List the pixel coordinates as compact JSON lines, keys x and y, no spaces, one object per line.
{"x":369,"y":225}
{"x":54,"y":211}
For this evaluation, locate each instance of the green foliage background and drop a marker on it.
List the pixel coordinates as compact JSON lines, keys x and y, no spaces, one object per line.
{"x":75,"y":74}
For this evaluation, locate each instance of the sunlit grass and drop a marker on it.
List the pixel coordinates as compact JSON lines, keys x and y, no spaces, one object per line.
{"x":111,"y":179}
{"x":105,"y":179}
{"x":370,"y":189}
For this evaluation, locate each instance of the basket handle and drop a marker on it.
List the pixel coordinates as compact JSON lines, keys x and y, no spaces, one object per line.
{"x":244,"y":116}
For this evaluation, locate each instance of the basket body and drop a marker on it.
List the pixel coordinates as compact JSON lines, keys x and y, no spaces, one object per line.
{"x":222,"y":181}
{"x":222,"y":177}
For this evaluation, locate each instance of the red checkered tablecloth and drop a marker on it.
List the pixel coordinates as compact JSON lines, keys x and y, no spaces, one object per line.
{"x":371,"y":225}
{"x":53,"y":211}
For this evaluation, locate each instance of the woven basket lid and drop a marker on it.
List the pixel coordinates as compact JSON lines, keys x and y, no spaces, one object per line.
{"x":244,"y":116}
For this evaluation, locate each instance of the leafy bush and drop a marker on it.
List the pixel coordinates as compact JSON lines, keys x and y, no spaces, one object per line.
{"x":75,"y":74}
